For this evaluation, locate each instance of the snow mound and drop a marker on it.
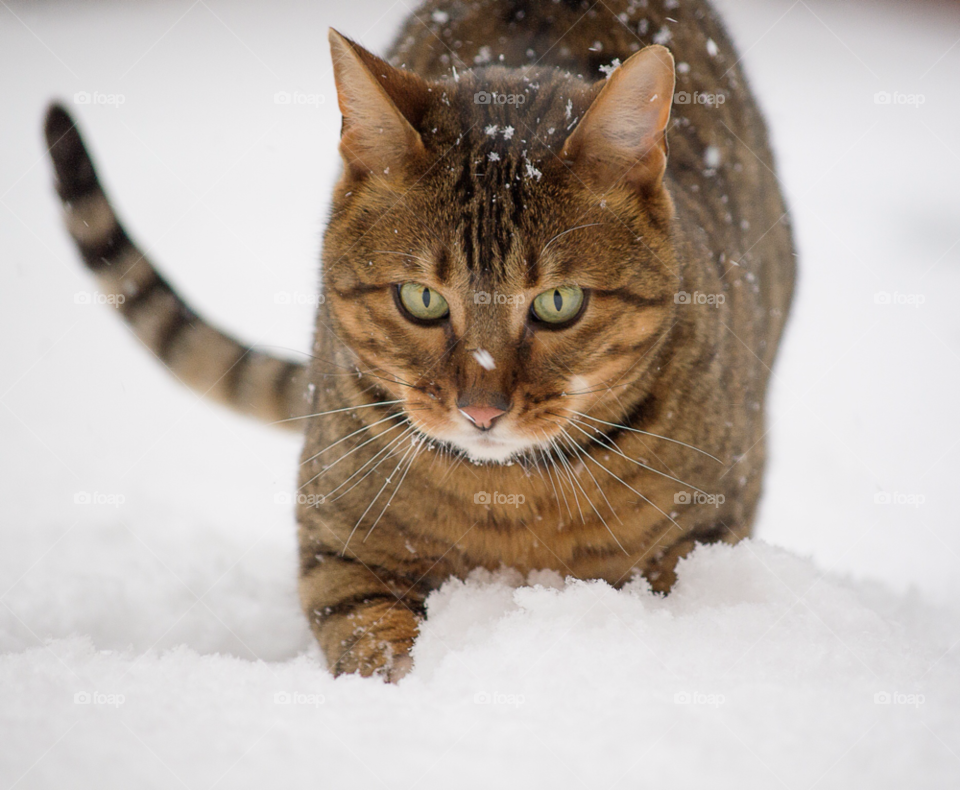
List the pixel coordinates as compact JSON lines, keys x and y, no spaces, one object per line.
{"x":759,"y":670}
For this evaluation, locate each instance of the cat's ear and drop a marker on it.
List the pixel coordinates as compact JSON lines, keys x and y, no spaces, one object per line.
{"x":380,"y":105}
{"x":622,"y":137}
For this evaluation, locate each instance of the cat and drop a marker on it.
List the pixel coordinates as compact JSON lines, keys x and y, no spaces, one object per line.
{"x":556,"y":271}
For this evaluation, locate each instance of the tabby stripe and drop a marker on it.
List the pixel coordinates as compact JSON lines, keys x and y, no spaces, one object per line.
{"x":621,"y":349}
{"x":231,"y":379}
{"x":467,"y":241}
{"x":632,"y":298}
{"x":532,"y":274}
{"x":348,"y":605}
{"x":136,"y":310}
{"x":181,"y":320}
{"x":639,"y":415}
{"x":713,"y":534}
{"x":313,"y":556}
{"x":442,"y":270}
{"x":482,"y":235}
{"x":99,"y":256}
{"x":134,"y":302}
{"x":284,"y":379}
{"x":358,"y":290}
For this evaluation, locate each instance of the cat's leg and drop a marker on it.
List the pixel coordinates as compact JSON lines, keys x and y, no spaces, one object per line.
{"x":364,"y":618}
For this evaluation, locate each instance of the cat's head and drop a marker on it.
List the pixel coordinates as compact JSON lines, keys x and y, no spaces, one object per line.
{"x":499,"y":251}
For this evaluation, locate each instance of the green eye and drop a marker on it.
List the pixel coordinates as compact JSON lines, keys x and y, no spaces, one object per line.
{"x":558,"y":305}
{"x":423,"y":302}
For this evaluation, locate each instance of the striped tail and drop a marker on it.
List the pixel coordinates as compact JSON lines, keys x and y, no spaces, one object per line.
{"x":199,"y":355}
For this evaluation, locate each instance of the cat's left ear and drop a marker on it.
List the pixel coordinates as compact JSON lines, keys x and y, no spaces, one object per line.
{"x":622,"y":137}
{"x":380,"y":106}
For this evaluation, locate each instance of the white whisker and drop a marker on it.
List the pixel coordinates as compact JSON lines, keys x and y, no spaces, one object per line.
{"x":645,"y":433}
{"x":359,"y":430}
{"x":613,"y":446}
{"x":326,"y":469}
{"x":387,"y":454}
{"x":631,"y":488}
{"x":581,"y":452}
{"x":566,"y":464}
{"x":338,"y":411}
{"x":375,"y":498}
{"x":565,"y":232}
{"x":390,"y":500}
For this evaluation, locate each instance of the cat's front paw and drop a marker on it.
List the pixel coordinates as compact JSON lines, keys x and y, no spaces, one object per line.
{"x":374,"y":639}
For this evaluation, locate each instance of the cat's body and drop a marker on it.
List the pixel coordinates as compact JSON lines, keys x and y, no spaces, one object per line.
{"x":685,"y":283}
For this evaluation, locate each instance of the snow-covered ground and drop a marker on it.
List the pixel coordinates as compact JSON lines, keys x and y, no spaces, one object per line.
{"x":174,"y":610}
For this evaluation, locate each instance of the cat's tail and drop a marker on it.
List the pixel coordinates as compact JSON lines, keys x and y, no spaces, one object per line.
{"x":199,"y":355}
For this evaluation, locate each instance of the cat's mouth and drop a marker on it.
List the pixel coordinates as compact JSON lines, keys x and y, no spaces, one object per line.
{"x":497,"y":445}
{"x":489,"y":447}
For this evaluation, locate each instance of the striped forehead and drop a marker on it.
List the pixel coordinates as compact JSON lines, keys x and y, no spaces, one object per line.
{"x":491,"y":199}
{"x":494,"y":188}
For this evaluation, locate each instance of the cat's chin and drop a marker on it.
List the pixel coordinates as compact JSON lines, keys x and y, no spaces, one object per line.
{"x":486,"y":448}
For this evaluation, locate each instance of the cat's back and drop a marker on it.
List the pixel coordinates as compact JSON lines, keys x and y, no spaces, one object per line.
{"x":585,"y":38}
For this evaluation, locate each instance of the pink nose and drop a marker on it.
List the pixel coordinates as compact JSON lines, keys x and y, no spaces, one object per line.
{"x":481,"y":416}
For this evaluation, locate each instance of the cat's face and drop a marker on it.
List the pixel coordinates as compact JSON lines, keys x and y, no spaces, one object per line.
{"x":495,"y":278}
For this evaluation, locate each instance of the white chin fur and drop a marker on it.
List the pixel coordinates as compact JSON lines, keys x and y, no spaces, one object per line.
{"x":488,"y":447}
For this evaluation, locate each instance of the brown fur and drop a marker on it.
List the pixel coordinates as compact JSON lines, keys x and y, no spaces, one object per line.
{"x":674,"y":392}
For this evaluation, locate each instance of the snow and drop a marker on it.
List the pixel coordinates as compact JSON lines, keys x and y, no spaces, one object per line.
{"x":712,"y":156}
{"x":758,"y":668}
{"x":484,"y":359}
{"x":823,"y":654}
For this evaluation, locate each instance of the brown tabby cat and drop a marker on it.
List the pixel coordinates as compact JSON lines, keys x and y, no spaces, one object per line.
{"x":542,"y":345}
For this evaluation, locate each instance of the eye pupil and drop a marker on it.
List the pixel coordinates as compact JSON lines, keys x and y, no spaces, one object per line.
{"x":558,"y":306}
{"x":421,"y":302}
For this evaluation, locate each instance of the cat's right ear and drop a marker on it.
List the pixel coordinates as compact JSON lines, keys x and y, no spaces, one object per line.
{"x":380,"y":105}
